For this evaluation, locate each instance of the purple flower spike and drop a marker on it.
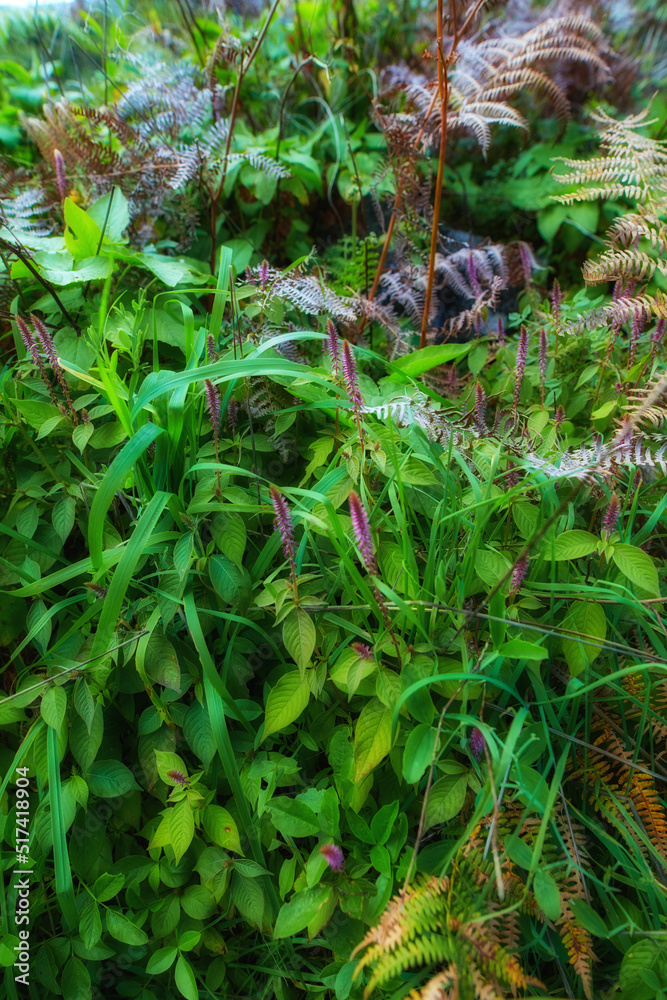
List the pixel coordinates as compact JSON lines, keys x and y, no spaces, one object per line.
{"x":501,"y":332}
{"x":471,"y":268}
{"x":211,"y":353}
{"x":521,"y":356}
{"x":362,"y":533}
{"x":179,"y":778}
{"x":212,"y":404}
{"x":61,"y":179}
{"x":332,"y":345}
{"x":263,"y":274}
{"x":527,"y":261}
{"x":519,"y":574}
{"x":28,"y":340}
{"x":351,"y":377}
{"x":556,"y":300}
{"x":283,"y":524}
{"x":611,"y":515}
{"x":46,"y":341}
{"x":233,"y":416}
{"x":543,"y":355}
{"x":480,"y":408}
{"x":477,"y":743}
{"x":363,"y":651}
{"x":659,"y":331}
{"x":334,"y":855}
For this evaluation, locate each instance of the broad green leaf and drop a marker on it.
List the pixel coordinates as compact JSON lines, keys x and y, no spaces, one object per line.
{"x":587,"y":918}
{"x":107,"y":886}
{"x":109,"y":778}
{"x":54,"y":706}
{"x":82,"y":234}
{"x":221,"y":828}
{"x":574,"y":544}
{"x":229,"y":534}
{"x":299,"y":637}
{"x":111,"y":214}
{"x":286,"y":701}
{"x":293,"y":818}
{"x":638,"y":567}
{"x":231,"y":582}
{"x":122,"y":929}
{"x":418,"y":753}
{"x":445,"y":799}
{"x":161,"y":960}
{"x":184,"y":978}
{"x":372,"y":738}
{"x":181,"y":828}
{"x":63,"y":516}
{"x":90,"y":924}
{"x":198,"y":902}
{"x":416,"y":362}
{"x":588,"y":618}
{"x":198,"y":732}
{"x":520,"y":649}
{"x":547,"y":895}
{"x":75,"y":980}
{"x":161,"y":662}
{"x":300,"y":911}
{"x":170,"y":767}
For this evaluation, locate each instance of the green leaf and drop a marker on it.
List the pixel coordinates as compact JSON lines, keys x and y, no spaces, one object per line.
{"x":293,"y":818}
{"x":54,"y":706}
{"x":198,"y":902}
{"x":90,"y":924}
{"x":167,"y":762}
{"x":286,"y":701}
{"x":109,"y":778}
{"x":36,"y":413}
{"x":181,"y":828}
{"x":122,"y":929}
{"x":248,"y":896}
{"x":113,"y":220}
{"x":520,"y":649}
{"x":75,"y":981}
{"x":161,"y":663}
{"x":198,"y":733}
{"x":221,"y":828}
{"x":416,"y":362}
{"x":445,"y":799}
{"x":638,"y":567}
{"x":604,"y":410}
{"x":587,"y":918}
{"x":107,"y":886}
{"x":82,"y":234}
{"x":231,"y":582}
{"x":299,"y":637}
{"x":547,"y":895}
{"x":81,"y":435}
{"x":418,"y":753}
{"x":169,"y":270}
{"x":63,"y":516}
{"x":574,"y":544}
{"x":184,"y":978}
{"x":589,"y":618}
{"x":229,"y":534}
{"x":161,"y":960}
{"x":300,"y":911}
{"x":372,"y":738}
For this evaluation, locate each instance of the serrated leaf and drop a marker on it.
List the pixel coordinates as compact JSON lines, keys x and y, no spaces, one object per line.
{"x":198,"y":733}
{"x":54,"y":706}
{"x":286,"y":701}
{"x":81,"y":435}
{"x":300,"y":911}
{"x":231,"y":582}
{"x":588,"y":618}
{"x":221,"y":828}
{"x":161,"y":663}
{"x":181,"y":828}
{"x":63,"y":516}
{"x":445,"y":799}
{"x":109,"y":778}
{"x":299,"y":637}
{"x":574,"y":544}
{"x":229,"y":534}
{"x":638,"y":567}
{"x":372,"y":738}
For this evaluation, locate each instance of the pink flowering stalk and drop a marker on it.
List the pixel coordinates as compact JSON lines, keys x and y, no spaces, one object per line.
{"x":556,"y":303}
{"x":334,"y":855}
{"x":611,"y":515}
{"x":521,"y":358}
{"x":362,"y":533}
{"x":352,"y":385}
{"x":477,"y":743}
{"x":636,"y":330}
{"x":49,"y":349}
{"x":363,"y":651}
{"x":527,"y":261}
{"x":543,"y":356}
{"x":480,"y":408}
{"x":211,"y":353}
{"x":213,"y":408}
{"x":34,"y":354}
{"x":263,"y":275}
{"x":283,"y":524}
{"x":332,"y":348}
{"x":559,"y":416}
{"x":659,"y":331}
{"x":519,"y":574}
{"x":61,"y":179}
{"x":473,"y":280}
{"x":233,"y":416}
{"x":179,"y":778}
{"x":500,"y":332}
